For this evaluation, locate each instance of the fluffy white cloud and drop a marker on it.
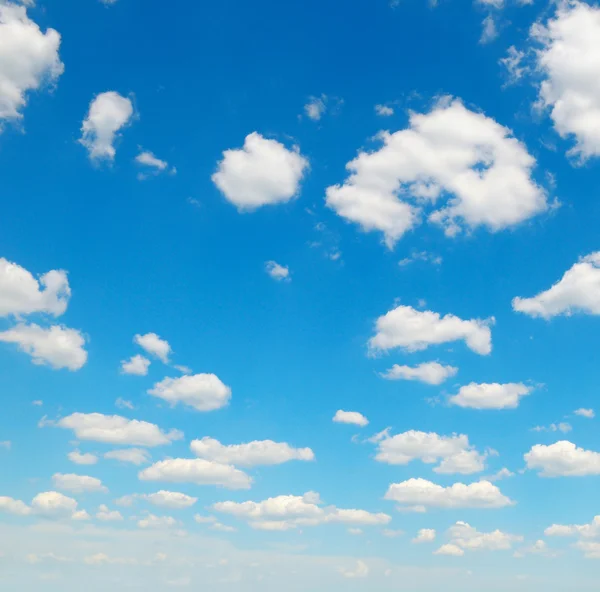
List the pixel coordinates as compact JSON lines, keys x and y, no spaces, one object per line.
{"x":196,"y":470}
{"x":21,"y":293}
{"x":450,"y":152}
{"x":109,"y":112}
{"x":258,"y":452}
{"x":154,"y":345}
{"x":360,"y":571}
{"x":29,"y":59}
{"x":591,"y":530}
{"x":568,"y":56}
{"x":261,"y":173}
{"x":384,"y":110}
{"x":13,"y":506}
{"x":152,"y":521}
{"x":490,"y":396}
{"x":563,"y":459}
{"x":419,"y":493}
{"x":415,"y":330}
{"x":350,"y":417}
{"x":135,"y":456}
{"x":52,"y":504}
{"x":276,"y":271}
{"x":77,"y":483}
{"x":454,"y":452}
{"x":587,"y":413}
{"x":428,"y":372}
{"x":577,"y":291}
{"x":449,"y":549}
{"x":114,"y":429}
{"x":590,"y":549}
{"x":286,"y":512}
{"x":203,"y":392}
{"x":106,"y":515}
{"x":171,"y":499}
{"x":468,"y":538}
{"x":56,"y":346}
{"x":82,"y":459}
{"x":425,"y":535}
{"x":137,"y":365}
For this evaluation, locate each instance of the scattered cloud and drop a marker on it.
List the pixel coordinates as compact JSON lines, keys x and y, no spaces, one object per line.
{"x":490,"y":396}
{"x":154,"y":345}
{"x":104,"y":514}
{"x":350,"y":417}
{"x":587,"y":531}
{"x":449,"y":549}
{"x":77,"y":483}
{"x":563,"y":459}
{"x":578,"y":291}
{"x":82,"y":459}
{"x":515,"y":65}
{"x":415,"y":330}
{"x":423,"y":256}
{"x":489,"y":31}
{"x":315,"y":107}
{"x":384,"y":110}
{"x":203,"y":392}
{"x":501,"y":474}
{"x":428,"y":372}
{"x":467,"y":538}
{"x":134,"y":456}
{"x":425,"y":535}
{"x":137,"y":365}
{"x":563,"y":427}
{"x":109,"y":112}
{"x":276,"y":271}
{"x":263,"y":172}
{"x":171,"y":499}
{"x":152,"y":165}
{"x":450,"y":152}
{"x":587,"y":413}
{"x":121,"y":403}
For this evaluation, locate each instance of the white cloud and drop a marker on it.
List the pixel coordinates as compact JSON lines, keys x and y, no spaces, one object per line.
{"x":152,"y":163}
{"x":384,"y":110}
{"x":171,"y":499}
{"x":152,"y":521}
{"x":114,"y":429}
{"x":350,"y":417}
{"x":454,"y":452}
{"x":590,"y":550}
{"x":468,"y":538}
{"x":428,"y":372}
{"x":286,"y":512}
{"x":577,"y":291}
{"x":137,"y":365}
{"x":203,"y":392}
{"x":276,"y":271}
{"x":21,"y":293}
{"x":77,"y":483}
{"x":587,"y":413}
{"x":416,"y":493}
{"x":415,"y":330}
{"x":451,"y":550}
{"x":56,"y":346}
{"x":316,"y":107}
{"x":563,"y":459}
{"x":263,"y":452}
{"x":538,"y":548}
{"x":563,"y":427}
{"x":514,"y":64}
{"x":29,"y":59}
{"x":423,"y":256}
{"x":109,"y":112}
{"x":13,"y":506}
{"x":489,"y":30}
{"x":591,"y":530}
{"x":360,"y":571}
{"x":196,"y":470}
{"x":490,"y":396}
{"x":54,"y":505}
{"x":568,"y":56}
{"x":261,"y":173}
{"x":123,"y":404}
{"x":154,"y":345}
{"x":106,"y":515}
{"x":425,"y":535}
{"x":134,"y":456}
{"x":82,"y":459}
{"x":501,"y":474}
{"x":477,"y":165}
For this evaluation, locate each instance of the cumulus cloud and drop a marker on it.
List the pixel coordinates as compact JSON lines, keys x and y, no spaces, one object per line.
{"x":578,"y":291}
{"x":114,"y":429}
{"x":587,"y":413}
{"x":454,"y":452}
{"x":21,"y":293}
{"x":77,"y":483}
{"x":425,"y":535}
{"x":56,"y":506}
{"x":258,"y":452}
{"x":428,"y":372}
{"x":591,"y":550}
{"x":134,"y":456}
{"x":591,"y":530}
{"x":13,"y":506}
{"x":263,"y":172}
{"x":490,"y":396}
{"x":82,"y":459}
{"x":29,"y":59}
{"x":57,"y":346}
{"x":450,"y":549}
{"x":137,"y":365}
{"x":276,"y":271}
{"x":159,"y":522}
{"x":198,"y":471}
{"x":414,"y":330}
{"x":563,"y":459}
{"x":568,"y":56}
{"x":420,"y":493}
{"x":154,"y":345}
{"x":109,"y":112}
{"x":350,"y":417}
{"x":467,"y":538}
{"x":286,"y":512}
{"x":481,"y":170}
{"x":104,"y":514}
{"x":171,"y":499}
{"x":203,"y":392}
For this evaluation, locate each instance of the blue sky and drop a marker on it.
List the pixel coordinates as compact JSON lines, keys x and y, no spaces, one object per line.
{"x":299,"y":295}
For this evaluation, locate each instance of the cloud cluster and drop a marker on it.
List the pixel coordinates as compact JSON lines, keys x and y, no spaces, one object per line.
{"x":463,"y":537}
